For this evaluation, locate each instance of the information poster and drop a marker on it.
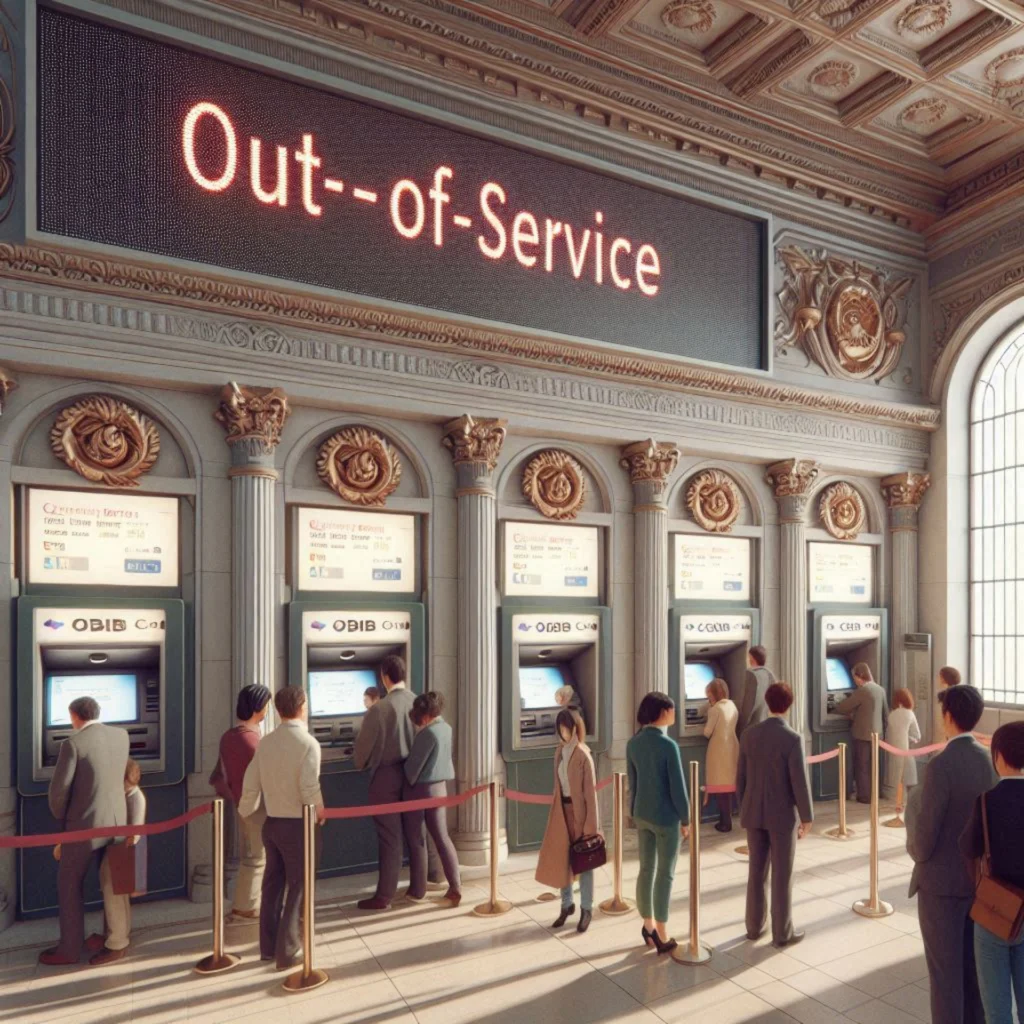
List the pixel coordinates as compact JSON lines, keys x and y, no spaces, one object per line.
{"x":94,"y":539}
{"x":841,"y":573}
{"x":364,"y":552}
{"x":711,"y":568}
{"x":549,"y":560}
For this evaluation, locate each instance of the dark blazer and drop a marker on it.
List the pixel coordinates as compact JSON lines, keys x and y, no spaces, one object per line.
{"x":868,"y":708}
{"x":430,"y":759}
{"x":771,"y":778}
{"x":657,"y":787}
{"x":387,"y":733}
{"x":87,"y":788}
{"x":1004,"y":807}
{"x":752,"y":708}
{"x":938,"y":812}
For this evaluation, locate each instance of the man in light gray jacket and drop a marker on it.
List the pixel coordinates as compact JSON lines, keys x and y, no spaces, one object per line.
{"x":86,"y":791}
{"x":384,"y":741}
{"x":751,"y":706}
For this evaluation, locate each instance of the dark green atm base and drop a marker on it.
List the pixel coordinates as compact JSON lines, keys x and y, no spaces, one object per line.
{"x":166,"y":860}
{"x":825,"y":776}
{"x":349,"y":845}
{"x":526,"y":822}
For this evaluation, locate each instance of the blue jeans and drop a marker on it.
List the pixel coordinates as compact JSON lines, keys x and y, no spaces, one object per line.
{"x":586,"y":892}
{"x":1000,"y":972}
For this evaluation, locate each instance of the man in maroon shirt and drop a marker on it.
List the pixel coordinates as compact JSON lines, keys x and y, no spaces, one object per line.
{"x":237,"y":747}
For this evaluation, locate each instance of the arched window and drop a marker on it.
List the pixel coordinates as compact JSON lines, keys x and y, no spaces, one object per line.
{"x":997,"y":525}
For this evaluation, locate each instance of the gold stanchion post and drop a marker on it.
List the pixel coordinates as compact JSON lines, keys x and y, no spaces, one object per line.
{"x":495,"y":905}
{"x":873,"y":906}
{"x":218,"y":961}
{"x":695,"y":951}
{"x":617,"y":905}
{"x":842,"y":832}
{"x":307,"y":977}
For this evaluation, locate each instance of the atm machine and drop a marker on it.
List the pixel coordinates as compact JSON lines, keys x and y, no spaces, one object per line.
{"x":129,"y":654}
{"x":336,"y":649}
{"x":543,"y":651}
{"x":705,"y":643}
{"x":840,"y":639}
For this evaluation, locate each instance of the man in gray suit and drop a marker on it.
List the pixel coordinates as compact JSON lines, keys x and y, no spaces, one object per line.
{"x":868,"y":708}
{"x":937,"y":812}
{"x":384,"y":741}
{"x":776,"y":811}
{"x":752,"y":708}
{"x":86,"y":791}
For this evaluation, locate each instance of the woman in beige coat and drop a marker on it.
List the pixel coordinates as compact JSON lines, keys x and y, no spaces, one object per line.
{"x":573,"y":815}
{"x":723,"y":748}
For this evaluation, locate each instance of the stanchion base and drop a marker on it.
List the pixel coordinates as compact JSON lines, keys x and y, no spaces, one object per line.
{"x":616,"y":906}
{"x":213,"y":964}
{"x":491,"y":908}
{"x":546,"y":897}
{"x":743,"y":851}
{"x":896,"y":822}
{"x":686,"y":955}
{"x":834,"y":833}
{"x":299,"y":982}
{"x":864,"y":908}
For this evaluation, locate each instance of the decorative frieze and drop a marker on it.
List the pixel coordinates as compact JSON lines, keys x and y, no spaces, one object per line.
{"x":253,"y":417}
{"x":106,"y":441}
{"x":360,"y":465}
{"x":842,"y":511}
{"x":555,"y":485}
{"x":714,"y":501}
{"x":475,"y":440}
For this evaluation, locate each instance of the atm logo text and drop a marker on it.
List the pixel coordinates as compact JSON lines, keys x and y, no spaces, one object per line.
{"x":100,"y":625}
{"x":553,"y":627}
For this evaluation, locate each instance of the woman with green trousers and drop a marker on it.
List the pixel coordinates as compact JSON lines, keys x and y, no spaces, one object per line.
{"x":660,"y":809}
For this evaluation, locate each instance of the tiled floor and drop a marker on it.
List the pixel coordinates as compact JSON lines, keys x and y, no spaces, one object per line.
{"x":422,"y":963}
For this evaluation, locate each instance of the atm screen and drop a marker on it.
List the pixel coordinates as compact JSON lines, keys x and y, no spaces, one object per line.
{"x":117,"y":694}
{"x":697,"y":676}
{"x":339,"y":691}
{"x":837,"y":675}
{"x":537,"y":685}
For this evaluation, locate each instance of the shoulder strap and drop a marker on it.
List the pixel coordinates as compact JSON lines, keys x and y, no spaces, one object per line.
{"x":984,"y":830}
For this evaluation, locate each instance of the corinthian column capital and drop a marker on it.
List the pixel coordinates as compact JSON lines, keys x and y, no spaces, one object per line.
{"x":903,"y":493}
{"x":7,"y":385}
{"x":253,"y":419}
{"x":475,"y":440}
{"x":791,"y":481}
{"x":650,"y":460}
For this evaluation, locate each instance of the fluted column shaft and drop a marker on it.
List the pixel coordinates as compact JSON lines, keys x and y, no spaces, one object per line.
{"x":475,"y":446}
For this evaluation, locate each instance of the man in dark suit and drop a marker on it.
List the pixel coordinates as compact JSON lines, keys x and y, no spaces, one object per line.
{"x":937,"y":812}
{"x":751,"y":706}
{"x":868,"y":708}
{"x":776,"y":811}
{"x":86,"y":791}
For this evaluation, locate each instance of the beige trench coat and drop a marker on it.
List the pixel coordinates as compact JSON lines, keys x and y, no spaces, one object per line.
{"x":553,"y":861}
{"x":723,"y":746}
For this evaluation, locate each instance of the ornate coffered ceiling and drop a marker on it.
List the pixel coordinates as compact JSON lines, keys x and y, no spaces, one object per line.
{"x":906,"y":110}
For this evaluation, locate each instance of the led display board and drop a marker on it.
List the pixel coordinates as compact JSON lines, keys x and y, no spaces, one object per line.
{"x":151,"y":147}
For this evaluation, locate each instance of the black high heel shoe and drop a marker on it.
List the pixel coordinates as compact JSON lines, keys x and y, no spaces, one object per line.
{"x":564,"y":916}
{"x":647,"y":936}
{"x":663,"y":947}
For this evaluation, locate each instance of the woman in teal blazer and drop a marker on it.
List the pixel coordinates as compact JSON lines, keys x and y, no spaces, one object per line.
{"x":660,"y":809}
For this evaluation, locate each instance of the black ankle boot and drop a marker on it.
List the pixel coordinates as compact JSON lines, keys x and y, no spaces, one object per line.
{"x":585,"y":916}
{"x":565,"y":914}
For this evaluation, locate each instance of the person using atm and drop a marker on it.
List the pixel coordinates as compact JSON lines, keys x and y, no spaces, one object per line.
{"x":869,"y":711}
{"x":752,"y":708}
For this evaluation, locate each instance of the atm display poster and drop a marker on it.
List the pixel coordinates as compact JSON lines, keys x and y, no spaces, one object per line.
{"x":361,"y":552}
{"x":840,"y":573}
{"x":548,"y":560}
{"x":709,"y":568}
{"x":94,"y":539}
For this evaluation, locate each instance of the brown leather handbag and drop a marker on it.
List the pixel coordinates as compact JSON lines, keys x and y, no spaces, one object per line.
{"x":998,"y":906}
{"x":587,"y":853}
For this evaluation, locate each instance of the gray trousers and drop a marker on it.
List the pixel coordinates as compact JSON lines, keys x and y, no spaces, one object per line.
{"x":948,"y":933}
{"x":862,"y":770}
{"x":776,"y":850}
{"x":386,"y":788}
{"x":436,"y":821}
{"x":280,"y":934}
{"x":75,"y":861}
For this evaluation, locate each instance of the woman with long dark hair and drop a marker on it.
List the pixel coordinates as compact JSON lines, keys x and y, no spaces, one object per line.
{"x":660,"y":808}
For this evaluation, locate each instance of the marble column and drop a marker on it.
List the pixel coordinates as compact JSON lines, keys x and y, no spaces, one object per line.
{"x":8,"y":793}
{"x":791,"y":480}
{"x":475,"y":445}
{"x":903,"y":495}
{"x":650,"y":465}
{"x":253,"y":419}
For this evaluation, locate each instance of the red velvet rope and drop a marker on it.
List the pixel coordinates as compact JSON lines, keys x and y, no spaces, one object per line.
{"x":379,"y":810}
{"x":517,"y":796}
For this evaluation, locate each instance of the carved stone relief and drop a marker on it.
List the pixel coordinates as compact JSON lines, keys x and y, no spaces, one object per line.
{"x":924,"y":17}
{"x":253,"y":416}
{"x":832,"y":78}
{"x":555,"y":484}
{"x":1005,"y":74}
{"x":7,"y":385}
{"x":923,"y":116}
{"x":905,"y":490}
{"x":360,"y":465}
{"x":106,"y":440}
{"x":696,"y":16}
{"x":714,"y":501}
{"x":842,"y":511}
{"x":475,"y":440}
{"x":848,"y":318}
